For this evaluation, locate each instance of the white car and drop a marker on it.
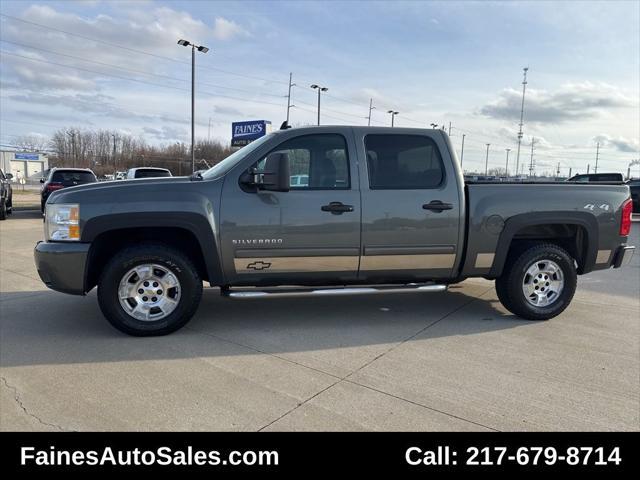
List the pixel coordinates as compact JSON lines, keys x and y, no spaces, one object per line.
{"x":147,"y":172}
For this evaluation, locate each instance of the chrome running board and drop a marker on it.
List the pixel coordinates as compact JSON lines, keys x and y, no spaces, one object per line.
{"x":299,"y":292}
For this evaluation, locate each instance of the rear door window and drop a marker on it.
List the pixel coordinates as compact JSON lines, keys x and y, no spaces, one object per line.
{"x":397,"y":162}
{"x":151,"y":173}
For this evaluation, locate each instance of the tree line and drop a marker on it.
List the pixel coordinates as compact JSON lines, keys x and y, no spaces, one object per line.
{"x":107,"y":151}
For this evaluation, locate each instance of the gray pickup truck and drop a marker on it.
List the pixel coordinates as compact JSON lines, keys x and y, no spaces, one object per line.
{"x":371,"y":210}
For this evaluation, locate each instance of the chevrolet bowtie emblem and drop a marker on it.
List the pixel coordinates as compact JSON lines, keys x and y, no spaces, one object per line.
{"x":260,"y":265}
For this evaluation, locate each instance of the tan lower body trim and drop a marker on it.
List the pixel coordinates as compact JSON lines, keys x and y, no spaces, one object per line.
{"x":407,"y":262}
{"x":484,"y":260}
{"x":603,"y":256}
{"x":296,"y":264}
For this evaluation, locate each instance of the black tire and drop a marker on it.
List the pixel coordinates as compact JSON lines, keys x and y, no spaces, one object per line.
{"x":190,"y":285}
{"x":3,"y":210}
{"x":509,"y":286}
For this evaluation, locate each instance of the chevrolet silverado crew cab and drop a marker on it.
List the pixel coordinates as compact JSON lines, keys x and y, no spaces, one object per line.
{"x":371,"y":210}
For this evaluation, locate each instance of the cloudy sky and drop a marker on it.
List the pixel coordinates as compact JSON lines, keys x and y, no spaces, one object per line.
{"x":116,"y":64}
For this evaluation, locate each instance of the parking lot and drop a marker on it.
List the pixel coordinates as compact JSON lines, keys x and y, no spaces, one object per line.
{"x":443,"y":361}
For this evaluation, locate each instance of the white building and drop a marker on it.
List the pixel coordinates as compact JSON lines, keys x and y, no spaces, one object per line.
{"x":24,"y":165}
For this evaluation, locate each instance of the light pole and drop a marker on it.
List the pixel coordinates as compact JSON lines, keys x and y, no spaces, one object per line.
{"x":371,"y":107}
{"x":462,"y":150}
{"x":486,"y":162}
{"x":115,"y":166}
{"x":320,"y":90}
{"x":393,"y":115}
{"x":506,"y":167}
{"x":200,"y":48}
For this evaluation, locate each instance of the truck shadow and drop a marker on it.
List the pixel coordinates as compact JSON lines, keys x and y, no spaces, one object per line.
{"x":42,"y":328}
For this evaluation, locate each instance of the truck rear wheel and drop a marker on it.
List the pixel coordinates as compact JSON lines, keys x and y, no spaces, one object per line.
{"x":149,"y":289}
{"x":538,"y":283}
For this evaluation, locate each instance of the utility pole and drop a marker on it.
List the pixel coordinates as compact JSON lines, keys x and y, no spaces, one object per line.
{"x":588,"y":168}
{"x":486,"y":162}
{"x":558,"y":172}
{"x":570,"y":169}
{"x":506,"y":167}
{"x":209,"y":131}
{"x":73,"y":146}
{"x":462,"y":150}
{"x":524,"y":89}
{"x":531,"y":164}
{"x":291,"y":84}
{"x":595,"y":170}
{"x":320,"y":89}
{"x":449,"y":133}
{"x":371,"y":107}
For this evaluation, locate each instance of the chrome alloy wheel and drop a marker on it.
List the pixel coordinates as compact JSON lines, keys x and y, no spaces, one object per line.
{"x":542,"y":283}
{"x":149,"y":292}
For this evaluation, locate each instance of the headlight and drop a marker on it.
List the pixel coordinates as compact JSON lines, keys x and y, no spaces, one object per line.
{"x":62,"y":222}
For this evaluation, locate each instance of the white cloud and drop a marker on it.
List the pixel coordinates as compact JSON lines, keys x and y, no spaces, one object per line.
{"x":572,"y":101}
{"x":224,"y":29}
{"x":621,"y":144}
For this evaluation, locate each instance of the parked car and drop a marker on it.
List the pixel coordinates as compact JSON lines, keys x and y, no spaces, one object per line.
{"x":121,"y":175}
{"x":147,"y":172}
{"x":384,"y":209}
{"x":634,"y":187}
{"x":6,"y":195}
{"x":60,"y":178}
{"x":597,"y":177}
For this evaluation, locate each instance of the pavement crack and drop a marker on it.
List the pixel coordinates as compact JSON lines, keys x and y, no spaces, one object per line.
{"x":17,"y":398}
{"x":411,"y":337}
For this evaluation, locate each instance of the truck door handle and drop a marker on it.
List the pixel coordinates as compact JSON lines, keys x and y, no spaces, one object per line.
{"x":337,"y":208}
{"x":437,"y":206}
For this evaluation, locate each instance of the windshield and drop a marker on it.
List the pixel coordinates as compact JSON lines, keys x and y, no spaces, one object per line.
{"x":232,"y":160}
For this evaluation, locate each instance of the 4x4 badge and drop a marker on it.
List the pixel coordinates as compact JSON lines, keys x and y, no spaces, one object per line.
{"x":259,"y":265}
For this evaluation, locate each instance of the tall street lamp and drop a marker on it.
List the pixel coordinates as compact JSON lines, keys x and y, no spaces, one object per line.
{"x":200,"y":48}
{"x":320,"y":89}
{"x":393,"y":114}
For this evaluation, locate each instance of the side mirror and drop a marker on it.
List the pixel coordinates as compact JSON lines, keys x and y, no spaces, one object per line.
{"x":9,"y":176}
{"x":274,"y":178}
{"x":42,"y":180}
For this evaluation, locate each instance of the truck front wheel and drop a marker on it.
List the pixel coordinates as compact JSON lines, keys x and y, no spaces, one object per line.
{"x":149,"y":290}
{"x":538,"y":283}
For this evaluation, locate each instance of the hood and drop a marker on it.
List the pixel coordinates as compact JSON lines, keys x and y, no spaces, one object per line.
{"x":116,"y":191}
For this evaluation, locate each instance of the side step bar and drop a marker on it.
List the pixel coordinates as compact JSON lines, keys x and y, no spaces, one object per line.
{"x":298,"y":292}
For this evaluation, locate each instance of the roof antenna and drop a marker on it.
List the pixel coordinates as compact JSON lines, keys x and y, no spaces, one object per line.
{"x":285,"y":125}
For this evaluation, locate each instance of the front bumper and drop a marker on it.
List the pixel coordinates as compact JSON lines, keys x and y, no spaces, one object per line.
{"x":62,"y":266}
{"x":623,"y":256}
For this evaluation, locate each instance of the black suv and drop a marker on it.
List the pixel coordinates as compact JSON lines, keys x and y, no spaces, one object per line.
{"x":62,"y":178}
{"x":6,"y":195}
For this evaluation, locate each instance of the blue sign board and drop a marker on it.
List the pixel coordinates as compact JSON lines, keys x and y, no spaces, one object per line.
{"x":27,"y":156}
{"x":243,"y":133}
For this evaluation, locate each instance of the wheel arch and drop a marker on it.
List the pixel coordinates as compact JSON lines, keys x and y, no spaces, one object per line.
{"x":576,"y":232}
{"x":188,"y":232}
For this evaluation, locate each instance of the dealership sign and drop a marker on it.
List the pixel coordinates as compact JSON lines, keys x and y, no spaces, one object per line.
{"x":243,"y":133}
{"x":26,"y":156}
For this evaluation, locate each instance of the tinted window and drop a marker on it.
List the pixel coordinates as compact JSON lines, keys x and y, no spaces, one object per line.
{"x":72,"y":177}
{"x":402,"y":162}
{"x":316,"y":162}
{"x":151,"y":173}
{"x":608,"y":177}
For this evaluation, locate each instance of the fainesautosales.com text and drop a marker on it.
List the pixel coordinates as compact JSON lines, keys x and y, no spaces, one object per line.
{"x":141,"y":457}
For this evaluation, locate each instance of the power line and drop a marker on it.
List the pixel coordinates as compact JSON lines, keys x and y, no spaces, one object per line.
{"x":137,"y":80}
{"x":111,"y":44}
{"x":140,"y":72}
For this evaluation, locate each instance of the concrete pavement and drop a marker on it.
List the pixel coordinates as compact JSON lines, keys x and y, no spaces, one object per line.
{"x":446,"y":361}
